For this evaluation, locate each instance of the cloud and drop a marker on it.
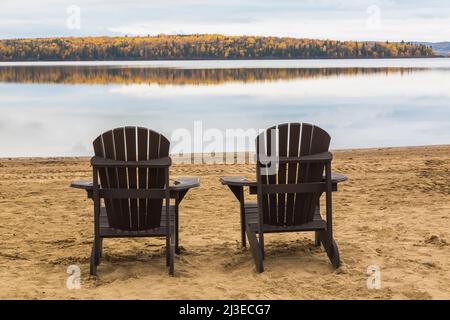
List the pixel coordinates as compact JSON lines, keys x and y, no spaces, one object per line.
{"x":409,"y":20}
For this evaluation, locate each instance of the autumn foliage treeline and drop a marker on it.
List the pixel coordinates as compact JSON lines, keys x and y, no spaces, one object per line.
{"x":173,"y":76}
{"x":166,"y":47}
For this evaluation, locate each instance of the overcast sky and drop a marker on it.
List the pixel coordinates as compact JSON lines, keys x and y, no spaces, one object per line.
{"x":392,"y":20}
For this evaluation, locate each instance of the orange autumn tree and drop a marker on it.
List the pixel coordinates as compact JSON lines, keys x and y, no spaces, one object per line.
{"x":199,"y":46}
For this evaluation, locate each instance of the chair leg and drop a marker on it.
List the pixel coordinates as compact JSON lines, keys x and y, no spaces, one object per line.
{"x":172,"y":261}
{"x":317,"y":239}
{"x":177,"y":233}
{"x":167,"y":251}
{"x":261,"y":245}
{"x":93,"y":261}
{"x":331,"y":248}
{"x":243,"y":228}
{"x":99,"y":250}
{"x":171,"y":252}
{"x":256,"y":249}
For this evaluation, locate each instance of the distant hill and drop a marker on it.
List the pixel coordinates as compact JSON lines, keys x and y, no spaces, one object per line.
{"x":201,"y":46}
{"x":441,"y":48}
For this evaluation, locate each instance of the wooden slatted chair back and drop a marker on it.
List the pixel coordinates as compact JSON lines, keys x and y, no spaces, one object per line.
{"x":132,"y":144}
{"x":291,"y":140}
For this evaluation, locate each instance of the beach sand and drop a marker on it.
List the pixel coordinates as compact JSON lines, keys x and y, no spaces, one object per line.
{"x":394,"y":212}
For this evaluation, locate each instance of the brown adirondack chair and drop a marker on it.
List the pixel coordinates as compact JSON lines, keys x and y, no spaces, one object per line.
{"x":131,"y":175}
{"x":288,"y":195}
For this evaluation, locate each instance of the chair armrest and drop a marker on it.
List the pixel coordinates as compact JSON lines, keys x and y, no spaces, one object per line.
{"x":237,"y":181}
{"x":181,"y":183}
{"x":185,"y":183}
{"x":109,"y":163}
{"x":337,"y":177}
{"x":82,"y":184}
{"x":240,"y":181}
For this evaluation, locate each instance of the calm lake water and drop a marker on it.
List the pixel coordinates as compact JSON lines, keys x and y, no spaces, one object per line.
{"x":57,"y":109}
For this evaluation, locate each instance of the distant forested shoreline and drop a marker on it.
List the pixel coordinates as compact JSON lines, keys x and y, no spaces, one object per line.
{"x":196,"y":47}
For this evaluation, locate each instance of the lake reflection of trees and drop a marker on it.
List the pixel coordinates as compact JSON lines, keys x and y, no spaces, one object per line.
{"x":170,"y":76}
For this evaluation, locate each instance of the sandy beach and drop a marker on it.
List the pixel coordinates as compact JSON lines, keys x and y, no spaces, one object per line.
{"x":394,"y":212}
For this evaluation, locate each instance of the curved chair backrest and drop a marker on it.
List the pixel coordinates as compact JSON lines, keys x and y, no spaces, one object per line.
{"x":132,"y":144}
{"x":292,"y":140}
